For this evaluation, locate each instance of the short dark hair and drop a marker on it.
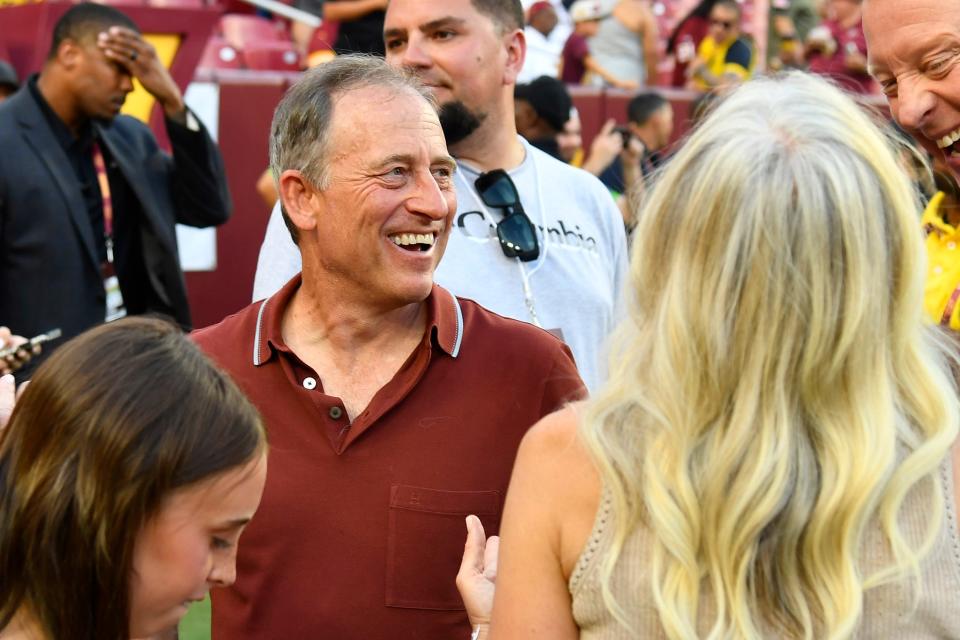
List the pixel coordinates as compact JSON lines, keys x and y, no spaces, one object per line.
{"x":643,"y":106}
{"x":113,"y":423}
{"x":84,"y":21}
{"x":506,"y":14}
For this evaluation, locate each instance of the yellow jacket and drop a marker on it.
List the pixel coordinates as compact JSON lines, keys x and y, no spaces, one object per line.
{"x":942,"y":293}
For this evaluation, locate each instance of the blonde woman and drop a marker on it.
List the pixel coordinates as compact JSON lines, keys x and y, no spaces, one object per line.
{"x":771,"y":456}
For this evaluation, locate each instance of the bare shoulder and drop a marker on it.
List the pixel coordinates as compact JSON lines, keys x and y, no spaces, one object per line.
{"x":554,"y":458}
{"x":634,"y":13}
{"x":555,"y":439}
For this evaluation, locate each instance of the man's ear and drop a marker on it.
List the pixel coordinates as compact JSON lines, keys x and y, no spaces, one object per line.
{"x":515,"y":44}
{"x":300,"y":199}
{"x":69,"y":53}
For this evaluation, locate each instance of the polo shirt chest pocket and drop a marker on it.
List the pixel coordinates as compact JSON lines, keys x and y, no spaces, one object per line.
{"x":425,"y":543}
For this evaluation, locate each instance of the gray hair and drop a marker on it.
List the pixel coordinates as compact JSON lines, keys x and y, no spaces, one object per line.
{"x":299,"y":135}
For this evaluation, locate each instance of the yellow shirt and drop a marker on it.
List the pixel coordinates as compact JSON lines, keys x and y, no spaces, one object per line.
{"x":942,"y":294}
{"x":722,"y":61}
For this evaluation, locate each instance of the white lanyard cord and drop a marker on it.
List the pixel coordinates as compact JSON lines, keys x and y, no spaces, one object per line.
{"x":528,"y":298}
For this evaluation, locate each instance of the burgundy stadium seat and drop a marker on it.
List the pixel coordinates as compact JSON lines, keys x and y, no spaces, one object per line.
{"x":123,"y":3}
{"x":275,"y":56}
{"x":243,"y":30}
{"x":219,"y":54}
{"x":177,"y":4}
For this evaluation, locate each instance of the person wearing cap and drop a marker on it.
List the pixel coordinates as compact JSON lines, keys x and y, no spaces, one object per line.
{"x":9,"y":83}
{"x":544,"y":42}
{"x":542,"y":108}
{"x":576,"y":61}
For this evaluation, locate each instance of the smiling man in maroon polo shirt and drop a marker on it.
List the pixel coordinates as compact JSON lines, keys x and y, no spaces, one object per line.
{"x":394,"y":409}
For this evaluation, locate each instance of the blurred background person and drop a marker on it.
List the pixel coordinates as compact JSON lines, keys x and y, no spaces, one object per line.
{"x":686,"y":38}
{"x":121,"y":503}
{"x":724,"y":57}
{"x":577,"y":61}
{"x":625,"y":44}
{"x":790,"y":22}
{"x":9,"y":82}
{"x":650,"y":122}
{"x":941,"y":224}
{"x":748,"y":472}
{"x":570,"y":139}
{"x":16,"y":352}
{"x":359,"y":24}
{"x":542,"y":108}
{"x":89,"y":199}
{"x":543,"y":47}
{"x":837,"y":48}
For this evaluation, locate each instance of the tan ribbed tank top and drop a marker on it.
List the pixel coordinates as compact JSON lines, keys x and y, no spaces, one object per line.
{"x":887,"y":609}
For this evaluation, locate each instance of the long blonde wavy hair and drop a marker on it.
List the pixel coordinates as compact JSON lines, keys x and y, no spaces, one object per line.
{"x":775,"y":389}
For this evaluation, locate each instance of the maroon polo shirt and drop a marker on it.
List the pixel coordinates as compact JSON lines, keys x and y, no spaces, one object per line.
{"x":361,"y":527}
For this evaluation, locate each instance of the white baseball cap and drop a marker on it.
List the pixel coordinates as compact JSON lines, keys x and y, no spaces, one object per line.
{"x":584,"y":10}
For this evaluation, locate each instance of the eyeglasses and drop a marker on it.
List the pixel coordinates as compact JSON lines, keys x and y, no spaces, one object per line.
{"x":518,"y":238}
{"x":723,"y":24}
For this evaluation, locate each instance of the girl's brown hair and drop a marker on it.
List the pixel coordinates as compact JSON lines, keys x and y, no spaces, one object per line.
{"x":110,"y":425}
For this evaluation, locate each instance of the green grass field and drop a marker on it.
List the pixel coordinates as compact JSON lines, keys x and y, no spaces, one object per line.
{"x":196,"y":624}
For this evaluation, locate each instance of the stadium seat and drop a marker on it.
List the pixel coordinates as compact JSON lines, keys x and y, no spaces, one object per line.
{"x":275,"y":56}
{"x":243,"y":30}
{"x":219,"y":54}
{"x":123,"y":3}
{"x":177,"y":4}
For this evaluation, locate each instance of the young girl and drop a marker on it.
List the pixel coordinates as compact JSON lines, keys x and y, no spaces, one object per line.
{"x":128,"y":470}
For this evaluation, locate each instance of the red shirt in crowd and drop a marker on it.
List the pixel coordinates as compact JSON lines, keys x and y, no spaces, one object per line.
{"x":848,"y":40}
{"x":574,"y":55}
{"x":361,"y":527}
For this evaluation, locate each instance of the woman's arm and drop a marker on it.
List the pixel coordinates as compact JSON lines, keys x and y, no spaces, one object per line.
{"x":650,"y":54}
{"x":591,"y":65}
{"x":550,"y":507}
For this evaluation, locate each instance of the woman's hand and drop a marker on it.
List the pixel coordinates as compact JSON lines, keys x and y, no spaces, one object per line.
{"x":477,"y":577}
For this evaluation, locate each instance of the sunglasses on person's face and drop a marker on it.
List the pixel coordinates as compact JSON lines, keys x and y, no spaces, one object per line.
{"x":518,"y":238}
{"x":723,"y":24}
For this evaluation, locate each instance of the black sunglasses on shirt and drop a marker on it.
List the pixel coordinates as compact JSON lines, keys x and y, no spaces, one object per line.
{"x":518,"y":238}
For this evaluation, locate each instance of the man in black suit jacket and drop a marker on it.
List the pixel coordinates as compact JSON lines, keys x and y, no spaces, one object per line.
{"x":87,"y":195}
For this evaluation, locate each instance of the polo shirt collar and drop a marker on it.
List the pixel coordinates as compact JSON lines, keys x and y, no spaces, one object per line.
{"x":444,"y":322}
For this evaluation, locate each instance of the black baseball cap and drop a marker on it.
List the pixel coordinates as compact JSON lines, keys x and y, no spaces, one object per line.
{"x":549,"y":98}
{"x":8,"y":75}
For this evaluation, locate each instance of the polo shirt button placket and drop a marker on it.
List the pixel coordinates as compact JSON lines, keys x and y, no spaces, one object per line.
{"x":309,"y":384}
{"x":336,"y":412}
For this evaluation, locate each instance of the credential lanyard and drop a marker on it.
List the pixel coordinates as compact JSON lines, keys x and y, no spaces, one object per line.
{"x":111,"y":284}
{"x":104,"y":183}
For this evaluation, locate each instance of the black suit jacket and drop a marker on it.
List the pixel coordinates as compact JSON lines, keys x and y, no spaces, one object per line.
{"x":49,"y":271}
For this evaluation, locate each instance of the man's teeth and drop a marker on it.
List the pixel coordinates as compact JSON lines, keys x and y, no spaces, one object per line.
{"x":948,"y":139}
{"x":402,"y":239}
